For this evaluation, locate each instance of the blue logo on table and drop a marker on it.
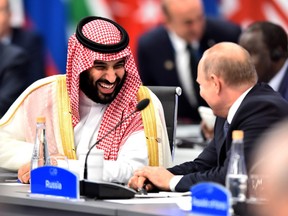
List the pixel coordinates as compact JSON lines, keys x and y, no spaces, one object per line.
{"x":210,"y":199}
{"x":55,"y":181}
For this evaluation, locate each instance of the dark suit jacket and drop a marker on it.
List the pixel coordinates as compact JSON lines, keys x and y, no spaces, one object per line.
{"x":33,"y":44}
{"x":13,"y":73}
{"x":283,"y":88}
{"x":260,"y":109}
{"x":156,"y":59}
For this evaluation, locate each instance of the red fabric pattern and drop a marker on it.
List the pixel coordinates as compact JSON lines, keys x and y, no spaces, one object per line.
{"x":80,"y":59}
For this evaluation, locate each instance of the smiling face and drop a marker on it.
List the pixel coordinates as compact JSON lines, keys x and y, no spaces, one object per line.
{"x":103,"y":81}
{"x":209,"y":84}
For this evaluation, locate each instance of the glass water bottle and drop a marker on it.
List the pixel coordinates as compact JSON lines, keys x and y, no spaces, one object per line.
{"x":40,"y":155}
{"x":236,"y":178}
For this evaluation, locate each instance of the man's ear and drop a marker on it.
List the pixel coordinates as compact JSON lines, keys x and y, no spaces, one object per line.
{"x":216,"y":83}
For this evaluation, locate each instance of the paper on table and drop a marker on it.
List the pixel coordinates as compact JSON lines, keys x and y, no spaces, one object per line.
{"x":163,"y":194}
{"x":183,"y":200}
{"x":11,"y":183}
{"x":177,"y":200}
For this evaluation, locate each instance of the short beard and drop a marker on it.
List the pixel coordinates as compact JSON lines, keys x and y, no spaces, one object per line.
{"x":91,"y":91}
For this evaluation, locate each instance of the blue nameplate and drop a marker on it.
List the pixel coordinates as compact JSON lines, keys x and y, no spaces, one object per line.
{"x":210,"y":199}
{"x":55,"y":181}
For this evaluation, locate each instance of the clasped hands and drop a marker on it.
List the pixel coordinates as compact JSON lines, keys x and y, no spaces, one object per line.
{"x":150,"y":178}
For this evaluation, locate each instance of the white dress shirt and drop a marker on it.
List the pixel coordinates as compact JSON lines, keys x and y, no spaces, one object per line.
{"x":183,"y":66}
{"x":277,"y":79}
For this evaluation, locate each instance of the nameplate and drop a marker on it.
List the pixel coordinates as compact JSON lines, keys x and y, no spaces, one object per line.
{"x":54,"y":181}
{"x":210,"y":199}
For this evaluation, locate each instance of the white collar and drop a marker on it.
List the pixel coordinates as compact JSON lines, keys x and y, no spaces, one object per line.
{"x":180,"y":44}
{"x":275,"y":82}
{"x":235,"y":106}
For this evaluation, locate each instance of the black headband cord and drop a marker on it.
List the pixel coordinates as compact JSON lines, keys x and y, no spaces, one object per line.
{"x":97,"y":47}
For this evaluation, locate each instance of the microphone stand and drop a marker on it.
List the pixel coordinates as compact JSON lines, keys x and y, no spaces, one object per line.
{"x":106,"y":189}
{"x":86,"y":158}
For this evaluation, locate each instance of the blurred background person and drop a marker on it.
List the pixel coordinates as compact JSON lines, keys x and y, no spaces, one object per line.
{"x":270,"y":165}
{"x":267,"y":44}
{"x":30,"y":41}
{"x":168,"y":55}
{"x":13,"y":70}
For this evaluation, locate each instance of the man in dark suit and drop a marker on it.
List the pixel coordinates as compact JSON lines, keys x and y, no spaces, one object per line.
{"x":163,"y":55}
{"x":267,"y":44}
{"x":13,"y":70}
{"x":228,"y":84}
{"x":29,"y":41}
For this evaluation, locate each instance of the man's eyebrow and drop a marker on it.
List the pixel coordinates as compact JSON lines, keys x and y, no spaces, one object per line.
{"x":99,"y":62}
{"x":120,"y":61}
{"x":103,"y":63}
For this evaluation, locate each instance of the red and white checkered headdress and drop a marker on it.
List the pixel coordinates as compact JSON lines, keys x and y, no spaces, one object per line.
{"x":101,"y":39}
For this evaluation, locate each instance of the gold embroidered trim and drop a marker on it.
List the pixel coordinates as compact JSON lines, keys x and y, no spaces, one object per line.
{"x":65,"y":119}
{"x":150,"y":129}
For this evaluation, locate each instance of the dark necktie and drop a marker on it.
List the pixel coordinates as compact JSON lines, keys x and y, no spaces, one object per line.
{"x":193,"y":56}
{"x":193,"y":69}
{"x":226,"y":127}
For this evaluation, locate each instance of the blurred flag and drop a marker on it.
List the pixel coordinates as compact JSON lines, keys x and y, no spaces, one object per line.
{"x":79,"y":9}
{"x":136,"y":16}
{"x":56,"y":20}
{"x":211,"y":8}
{"x":246,"y":11}
{"x":49,"y":19}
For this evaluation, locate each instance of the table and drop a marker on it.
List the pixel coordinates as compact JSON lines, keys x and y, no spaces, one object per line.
{"x":15,"y":200}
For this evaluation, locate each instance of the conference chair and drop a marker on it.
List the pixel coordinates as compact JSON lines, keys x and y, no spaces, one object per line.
{"x":168,"y":95}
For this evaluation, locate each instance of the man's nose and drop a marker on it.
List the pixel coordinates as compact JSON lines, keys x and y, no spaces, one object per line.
{"x":110,"y":75}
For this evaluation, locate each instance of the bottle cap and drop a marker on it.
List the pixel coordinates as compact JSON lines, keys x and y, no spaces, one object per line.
{"x":237,"y":134}
{"x":41,"y":119}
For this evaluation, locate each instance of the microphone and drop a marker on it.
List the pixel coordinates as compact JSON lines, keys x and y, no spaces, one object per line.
{"x":140,"y":106}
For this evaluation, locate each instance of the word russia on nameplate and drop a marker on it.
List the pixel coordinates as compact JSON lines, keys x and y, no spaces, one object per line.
{"x":54,"y":181}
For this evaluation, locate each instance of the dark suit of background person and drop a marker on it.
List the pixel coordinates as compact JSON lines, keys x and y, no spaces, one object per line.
{"x":31,"y":42}
{"x":261,"y":108}
{"x":156,"y":57}
{"x":13,"y":70}
{"x":267,"y":44}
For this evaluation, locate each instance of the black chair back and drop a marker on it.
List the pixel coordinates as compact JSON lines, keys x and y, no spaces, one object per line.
{"x":168,"y":95}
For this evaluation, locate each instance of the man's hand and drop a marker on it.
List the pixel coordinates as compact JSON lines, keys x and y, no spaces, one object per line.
{"x":24,"y":173}
{"x":151,"y":176}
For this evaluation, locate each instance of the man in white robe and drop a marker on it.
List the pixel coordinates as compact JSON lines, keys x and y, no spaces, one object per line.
{"x":101,"y":88}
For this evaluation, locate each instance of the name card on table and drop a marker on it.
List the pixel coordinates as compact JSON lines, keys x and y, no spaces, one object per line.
{"x":210,"y":199}
{"x":54,"y":181}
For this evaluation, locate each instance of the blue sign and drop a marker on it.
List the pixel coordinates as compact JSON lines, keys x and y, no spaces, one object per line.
{"x":55,"y":181}
{"x":210,"y":199}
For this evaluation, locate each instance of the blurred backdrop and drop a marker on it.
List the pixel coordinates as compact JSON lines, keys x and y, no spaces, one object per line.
{"x":56,"y":20}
